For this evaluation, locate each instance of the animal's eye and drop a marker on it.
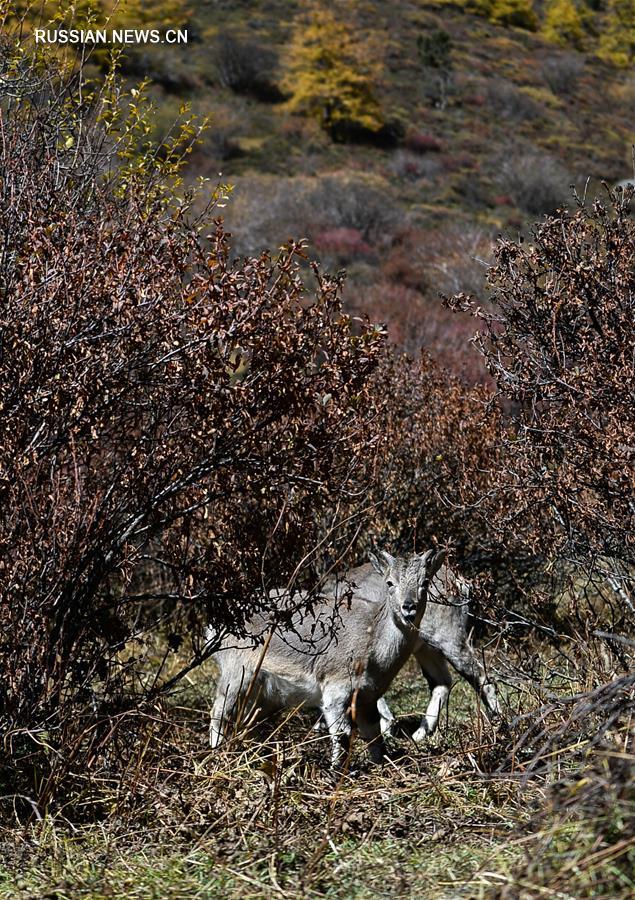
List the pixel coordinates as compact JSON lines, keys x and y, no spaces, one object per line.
{"x":390,"y":584}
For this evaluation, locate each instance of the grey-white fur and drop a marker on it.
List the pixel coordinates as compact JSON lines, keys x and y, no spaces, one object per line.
{"x":442,"y":639}
{"x":343,"y":674}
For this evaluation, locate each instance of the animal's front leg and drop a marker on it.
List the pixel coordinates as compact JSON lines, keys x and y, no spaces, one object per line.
{"x":489,"y":694}
{"x":368,"y":722}
{"x":336,"y":712}
{"x":320,"y":724}
{"x":222,"y":713}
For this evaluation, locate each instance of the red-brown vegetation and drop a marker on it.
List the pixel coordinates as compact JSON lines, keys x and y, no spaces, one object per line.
{"x":177,"y":430}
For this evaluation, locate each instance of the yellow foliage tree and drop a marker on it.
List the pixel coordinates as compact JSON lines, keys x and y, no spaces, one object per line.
{"x":563,"y":24}
{"x":330,"y":75}
{"x":519,"y":13}
{"x":617,"y":41}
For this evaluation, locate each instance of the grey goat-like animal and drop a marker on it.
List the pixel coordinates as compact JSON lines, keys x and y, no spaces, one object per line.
{"x":343,"y":674}
{"x":442,"y":639}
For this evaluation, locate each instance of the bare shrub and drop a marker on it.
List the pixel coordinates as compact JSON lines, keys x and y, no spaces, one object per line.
{"x":412,"y":166}
{"x":266,"y":210}
{"x":421,"y":266}
{"x":356,"y":201}
{"x":419,"y":142}
{"x":562,"y":72}
{"x":403,"y":263}
{"x":455,"y":162}
{"x":344,"y":243}
{"x":445,"y":260}
{"x":537,"y":182}
{"x":579,"y":746}
{"x":457,"y":258}
{"x":246,"y":67}
{"x":416,"y":320}
{"x":509,"y":102}
{"x":403,"y":309}
{"x":439,"y":453}
{"x":559,"y":344}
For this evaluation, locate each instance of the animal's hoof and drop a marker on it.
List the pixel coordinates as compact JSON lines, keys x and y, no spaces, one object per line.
{"x":420,"y":736}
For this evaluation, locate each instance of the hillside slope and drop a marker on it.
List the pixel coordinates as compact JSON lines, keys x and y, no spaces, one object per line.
{"x":487,"y":142}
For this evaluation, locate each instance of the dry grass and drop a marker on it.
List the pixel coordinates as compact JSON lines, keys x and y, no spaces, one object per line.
{"x":267,"y":818}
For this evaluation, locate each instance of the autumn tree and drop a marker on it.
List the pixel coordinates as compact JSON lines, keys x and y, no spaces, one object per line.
{"x":331,"y":75}
{"x":617,"y":38}
{"x":518,"y":13}
{"x":435,"y":53}
{"x":563,"y":24}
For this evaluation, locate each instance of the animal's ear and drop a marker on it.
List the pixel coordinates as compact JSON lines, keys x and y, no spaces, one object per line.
{"x":433,"y":560}
{"x":383,"y":565}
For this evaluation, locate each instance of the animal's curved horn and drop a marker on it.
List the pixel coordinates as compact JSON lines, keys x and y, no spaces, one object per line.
{"x":433,"y":560}
{"x":388,"y":559}
{"x":375,"y":563}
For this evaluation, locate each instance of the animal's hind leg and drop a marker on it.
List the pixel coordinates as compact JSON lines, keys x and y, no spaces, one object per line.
{"x":464,"y":661}
{"x":437,"y":674}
